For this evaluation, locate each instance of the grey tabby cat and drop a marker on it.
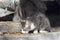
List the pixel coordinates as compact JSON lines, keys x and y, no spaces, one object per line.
{"x":33,"y":14}
{"x":36,"y":24}
{"x":34,"y":17}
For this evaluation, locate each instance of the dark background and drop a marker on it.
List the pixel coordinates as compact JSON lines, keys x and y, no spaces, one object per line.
{"x":53,"y":13}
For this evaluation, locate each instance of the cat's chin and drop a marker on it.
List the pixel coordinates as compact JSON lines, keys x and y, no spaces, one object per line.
{"x":25,"y":32}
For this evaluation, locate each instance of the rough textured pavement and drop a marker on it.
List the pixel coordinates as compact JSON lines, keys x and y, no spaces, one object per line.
{"x":41,"y":36}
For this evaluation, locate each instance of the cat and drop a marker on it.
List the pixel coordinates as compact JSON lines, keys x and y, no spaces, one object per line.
{"x":36,"y":23}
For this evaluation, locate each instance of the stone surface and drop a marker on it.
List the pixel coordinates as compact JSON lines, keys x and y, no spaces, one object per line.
{"x":7,"y":3}
{"x":4,"y":12}
{"x":41,"y":36}
{"x":10,"y":27}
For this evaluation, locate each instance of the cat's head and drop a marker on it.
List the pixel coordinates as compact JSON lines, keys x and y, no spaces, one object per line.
{"x":28,"y":25}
